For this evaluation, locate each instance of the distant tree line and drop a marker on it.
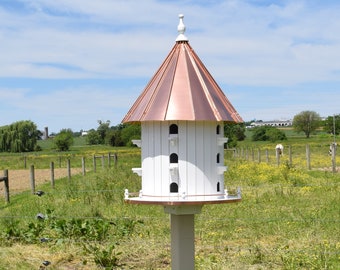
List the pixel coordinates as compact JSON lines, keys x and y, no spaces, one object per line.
{"x":120,"y":135}
{"x":268,"y":133}
{"x":22,"y":136}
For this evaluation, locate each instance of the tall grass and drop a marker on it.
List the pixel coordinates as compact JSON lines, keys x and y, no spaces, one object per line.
{"x":289,"y":218}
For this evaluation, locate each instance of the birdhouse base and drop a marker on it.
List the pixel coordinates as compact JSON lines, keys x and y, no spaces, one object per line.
{"x":181,"y":199}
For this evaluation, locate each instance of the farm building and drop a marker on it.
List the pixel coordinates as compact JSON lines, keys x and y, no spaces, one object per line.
{"x":273,"y":123}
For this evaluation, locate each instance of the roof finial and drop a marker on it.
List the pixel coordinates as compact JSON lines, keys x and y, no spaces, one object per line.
{"x":181,"y":29}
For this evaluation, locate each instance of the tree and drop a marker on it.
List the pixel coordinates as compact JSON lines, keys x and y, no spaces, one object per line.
{"x":93,"y":137}
{"x":129,"y":133}
{"x":330,"y":122}
{"x":98,"y":136}
{"x":114,"y":138}
{"x":21,"y":136}
{"x":275,"y":134}
{"x":268,"y":133}
{"x":102,"y":129}
{"x":307,"y":122}
{"x":234,"y":133}
{"x":64,"y":140}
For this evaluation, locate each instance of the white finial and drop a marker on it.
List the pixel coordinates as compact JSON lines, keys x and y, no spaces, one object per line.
{"x":181,"y":29}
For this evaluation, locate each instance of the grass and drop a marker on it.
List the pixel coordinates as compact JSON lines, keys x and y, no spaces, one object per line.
{"x":288,"y":219}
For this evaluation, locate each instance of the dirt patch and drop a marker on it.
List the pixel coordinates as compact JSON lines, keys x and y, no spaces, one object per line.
{"x":19,"y":180}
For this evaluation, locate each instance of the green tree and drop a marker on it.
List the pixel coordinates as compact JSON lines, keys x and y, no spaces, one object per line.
{"x":275,"y":134}
{"x":114,"y":138}
{"x":234,"y":133}
{"x":21,"y":136}
{"x":330,"y":122}
{"x":268,"y":133}
{"x":102,"y":129}
{"x":129,"y":133}
{"x":64,"y":140}
{"x":307,"y":122}
{"x":93,"y":137}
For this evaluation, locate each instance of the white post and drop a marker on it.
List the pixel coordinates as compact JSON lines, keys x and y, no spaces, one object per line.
{"x":182,"y":242}
{"x":183,"y":235}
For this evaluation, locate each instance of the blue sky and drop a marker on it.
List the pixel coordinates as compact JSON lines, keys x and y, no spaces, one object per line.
{"x":69,"y":63}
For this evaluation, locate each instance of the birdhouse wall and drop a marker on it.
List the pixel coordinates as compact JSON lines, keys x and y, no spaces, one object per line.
{"x":189,"y":161}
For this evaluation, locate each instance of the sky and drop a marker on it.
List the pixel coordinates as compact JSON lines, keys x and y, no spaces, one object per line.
{"x":70,"y":63}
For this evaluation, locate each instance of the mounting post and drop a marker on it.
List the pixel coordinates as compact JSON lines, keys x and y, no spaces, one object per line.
{"x":183,"y":236}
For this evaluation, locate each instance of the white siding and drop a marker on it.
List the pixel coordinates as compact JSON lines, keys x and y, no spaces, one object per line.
{"x":196,"y":146}
{"x":165,"y":159}
{"x":182,"y":156}
{"x":191,"y":155}
{"x":157,"y":129}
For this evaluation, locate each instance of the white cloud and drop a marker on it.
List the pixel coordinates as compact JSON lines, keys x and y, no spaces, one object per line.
{"x":250,"y":44}
{"x":242,"y":43}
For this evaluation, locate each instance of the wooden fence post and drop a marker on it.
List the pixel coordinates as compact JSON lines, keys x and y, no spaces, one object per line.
{"x":278,"y":155}
{"x":52,"y":174}
{"x":103,"y":162}
{"x":94,"y":163}
{"x":267,"y":156}
{"x":83,"y":165}
{"x":25,"y":161}
{"x":32,"y":179}
{"x":69,"y":168}
{"x":6,"y":183}
{"x":308,"y":156}
{"x":115,"y":159}
{"x":333,"y":157}
{"x":109,"y":160}
{"x":259,"y":155}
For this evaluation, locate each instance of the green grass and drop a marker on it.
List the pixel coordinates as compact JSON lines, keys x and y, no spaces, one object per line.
{"x":289,"y":218}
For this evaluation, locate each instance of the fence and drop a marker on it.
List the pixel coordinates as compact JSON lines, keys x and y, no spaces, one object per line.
{"x":32,"y":170}
{"x":311,"y":157}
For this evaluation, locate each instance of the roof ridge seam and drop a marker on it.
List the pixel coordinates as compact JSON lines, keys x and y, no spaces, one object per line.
{"x":172,"y":82}
{"x":204,"y":87}
{"x":164,"y":66}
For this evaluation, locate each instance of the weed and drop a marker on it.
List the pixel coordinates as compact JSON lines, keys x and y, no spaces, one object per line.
{"x":104,"y":256}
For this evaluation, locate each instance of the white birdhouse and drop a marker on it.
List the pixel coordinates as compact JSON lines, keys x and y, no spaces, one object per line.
{"x":182,"y":112}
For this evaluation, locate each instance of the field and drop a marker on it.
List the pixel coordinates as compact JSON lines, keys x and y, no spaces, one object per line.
{"x":289,"y":217}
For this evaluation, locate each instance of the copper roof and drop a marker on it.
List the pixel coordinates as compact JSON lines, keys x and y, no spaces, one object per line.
{"x":182,"y":89}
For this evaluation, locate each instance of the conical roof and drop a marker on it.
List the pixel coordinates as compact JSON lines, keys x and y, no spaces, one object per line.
{"x":182,"y":89}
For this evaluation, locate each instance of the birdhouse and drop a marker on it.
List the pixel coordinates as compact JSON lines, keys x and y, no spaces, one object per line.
{"x":182,"y":112}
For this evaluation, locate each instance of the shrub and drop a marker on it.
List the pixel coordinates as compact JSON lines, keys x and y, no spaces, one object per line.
{"x":64,"y":140}
{"x":268,"y":133}
{"x":93,"y":138}
{"x":234,"y":133}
